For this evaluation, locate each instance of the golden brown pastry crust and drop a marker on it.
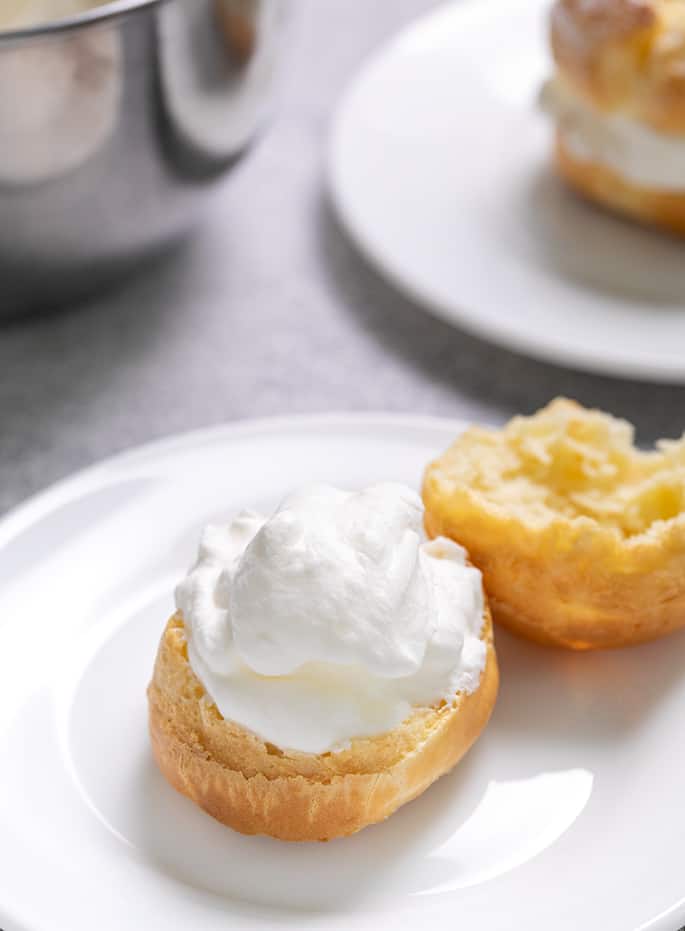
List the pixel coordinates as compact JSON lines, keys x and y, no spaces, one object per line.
{"x":256,"y":788}
{"x":580,"y":538}
{"x":600,"y":184}
{"x":624,"y":55}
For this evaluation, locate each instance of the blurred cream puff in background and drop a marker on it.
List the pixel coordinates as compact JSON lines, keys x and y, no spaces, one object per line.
{"x":618,"y":101}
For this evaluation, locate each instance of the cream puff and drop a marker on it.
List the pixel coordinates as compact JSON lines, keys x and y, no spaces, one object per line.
{"x":618,"y":101}
{"x":579,"y":535}
{"x":324,"y":665}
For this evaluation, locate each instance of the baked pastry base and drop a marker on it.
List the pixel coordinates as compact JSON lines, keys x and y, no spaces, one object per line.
{"x":567,"y":579}
{"x":665,"y":209}
{"x":257,"y":788}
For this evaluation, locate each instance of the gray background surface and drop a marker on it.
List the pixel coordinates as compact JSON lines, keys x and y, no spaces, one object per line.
{"x":268,"y":310}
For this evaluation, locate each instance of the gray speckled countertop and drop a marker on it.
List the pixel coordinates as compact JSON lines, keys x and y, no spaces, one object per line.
{"x":268,"y":310}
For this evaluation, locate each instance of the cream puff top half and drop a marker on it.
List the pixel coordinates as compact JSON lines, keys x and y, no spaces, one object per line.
{"x":624,"y":57}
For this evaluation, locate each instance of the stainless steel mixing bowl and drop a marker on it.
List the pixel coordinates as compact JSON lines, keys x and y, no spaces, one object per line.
{"x":115,"y":125}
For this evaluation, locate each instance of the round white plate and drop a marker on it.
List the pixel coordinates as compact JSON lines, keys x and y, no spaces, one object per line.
{"x":567,"y":814}
{"x":440,"y":170}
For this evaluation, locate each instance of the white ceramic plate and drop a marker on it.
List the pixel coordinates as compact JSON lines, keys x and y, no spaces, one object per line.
{"x":567,"y":814}
{"x":440,"y":170}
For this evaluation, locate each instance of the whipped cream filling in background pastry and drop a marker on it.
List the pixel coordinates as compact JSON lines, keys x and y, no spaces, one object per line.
{"x":631,"y":149}
{"x":333,"y":618}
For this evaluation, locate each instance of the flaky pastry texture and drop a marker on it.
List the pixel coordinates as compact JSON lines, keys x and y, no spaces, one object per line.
{"x":580,"y":537}
{"x":257,"y":788}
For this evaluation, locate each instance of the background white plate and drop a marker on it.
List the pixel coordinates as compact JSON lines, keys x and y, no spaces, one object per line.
{"x":567,"y":814}
{"x":440,"y":170}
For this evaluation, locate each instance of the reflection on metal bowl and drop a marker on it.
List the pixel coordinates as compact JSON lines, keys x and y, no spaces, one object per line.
{"x":115,"y":124}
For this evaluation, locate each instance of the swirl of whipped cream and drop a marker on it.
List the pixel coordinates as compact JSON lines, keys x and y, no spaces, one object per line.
{"x":333,"y":618}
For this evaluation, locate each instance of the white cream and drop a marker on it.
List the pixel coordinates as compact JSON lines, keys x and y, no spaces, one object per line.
{"x":333,"y":618}
{"x":637,"y":153}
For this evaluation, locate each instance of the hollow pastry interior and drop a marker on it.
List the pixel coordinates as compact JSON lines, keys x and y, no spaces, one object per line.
{"x":579,"y":535}
{"x":566,"y":462}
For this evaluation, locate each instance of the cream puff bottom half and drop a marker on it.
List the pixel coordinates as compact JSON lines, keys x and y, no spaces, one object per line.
{"x":602,"y":185}
{"x":256,"y":788}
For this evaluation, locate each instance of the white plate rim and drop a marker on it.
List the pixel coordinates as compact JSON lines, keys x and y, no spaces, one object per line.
{"x":528,"y":344}
{"x":41,"y":504}
{"x":27,"y":512}
{"x":33,"y":509}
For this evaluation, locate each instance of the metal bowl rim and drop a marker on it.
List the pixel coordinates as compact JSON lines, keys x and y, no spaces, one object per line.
{"x":103,"y":13}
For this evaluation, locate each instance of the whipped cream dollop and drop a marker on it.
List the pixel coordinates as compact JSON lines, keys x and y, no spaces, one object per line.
{"x":631,"y":149}
{"x":333,"y":618}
